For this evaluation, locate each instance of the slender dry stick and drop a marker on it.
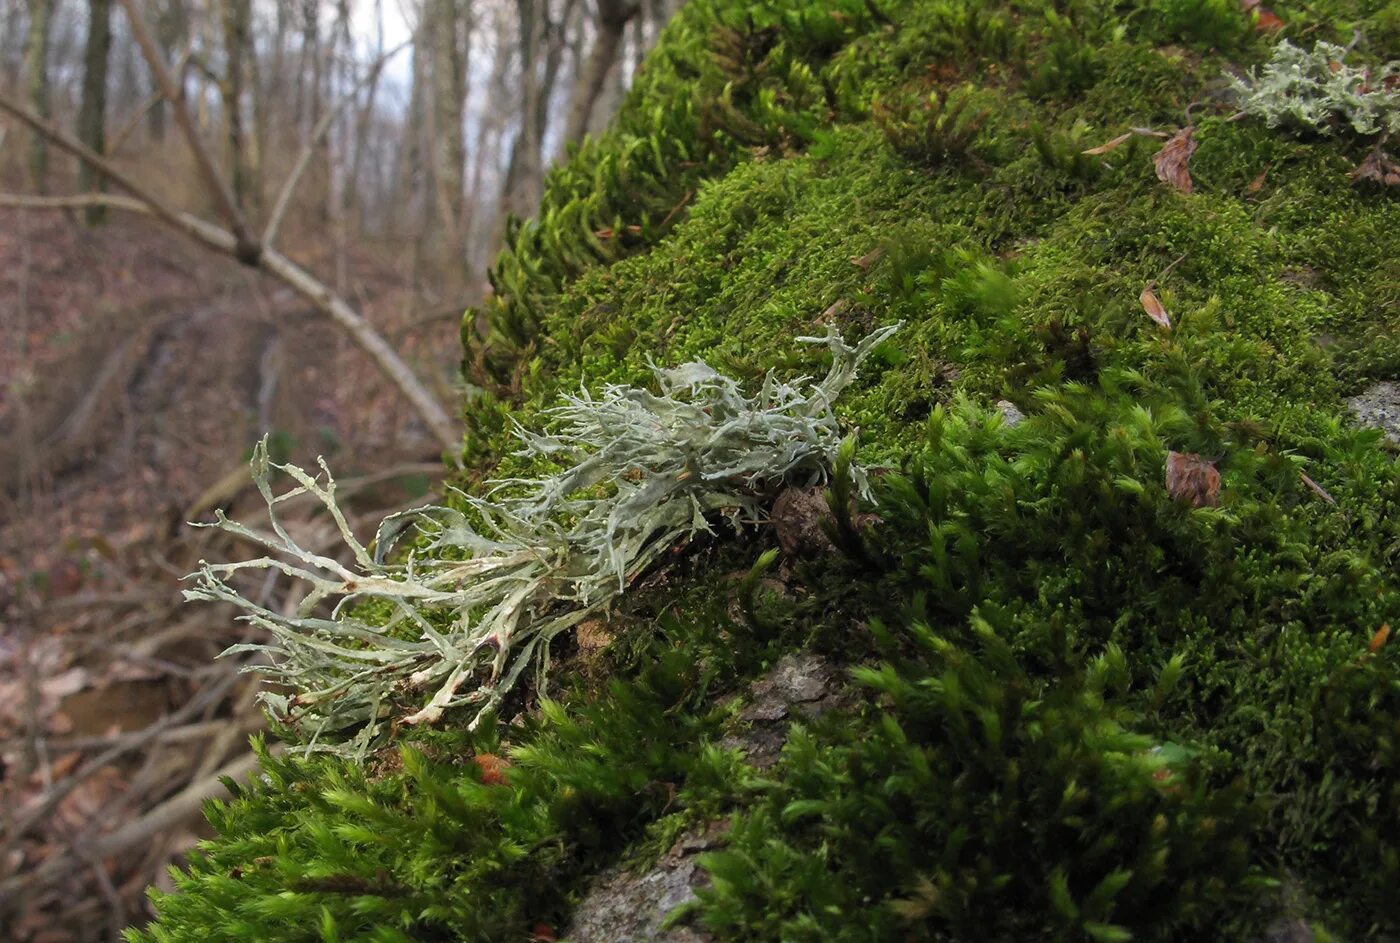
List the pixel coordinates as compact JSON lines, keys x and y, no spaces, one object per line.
{"x":247,"y":248}
{"x":308,"y":150}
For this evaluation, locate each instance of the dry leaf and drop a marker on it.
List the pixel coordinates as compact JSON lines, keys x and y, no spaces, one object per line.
{"x":1193,"y":478}
{"x":1379,"y":638}
{"x":493,"y":768}
{"x":1153,"y":306}
{"x":1110,"y":145}
{"x":864,"y":262}
{"x":1267,"y":21}
{"x":1172,"y":161}
{"x":1317,"y":489}
{"x":1378,"y":168}
{"x":1257,"y":183}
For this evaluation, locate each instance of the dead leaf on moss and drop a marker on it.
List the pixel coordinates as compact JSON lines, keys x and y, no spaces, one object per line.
{"x":493,"y":768}
{"x":1153,"y":306}
{"x":1173,"y":160}
{"x":1108,"y":145}
{"x":1379,"y":638}
{"x":1268,"y":21}
{"x":1193,"y":479}
{"x":1378,"y":168}
{"x":1257,"y":183}
{"x":865,"y":262}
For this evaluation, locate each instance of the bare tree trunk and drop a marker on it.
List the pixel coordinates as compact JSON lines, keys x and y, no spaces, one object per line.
{"x":171,"y":28}
{"x":611,"y":23}
{"x":236,"y":21}
{"x":365,"y":118}
{"x":36,"y":81}
{"x":524,"y":169}
{"x":92,"y":112}
{"x":449,"y":35}
{"x":412,"y":166}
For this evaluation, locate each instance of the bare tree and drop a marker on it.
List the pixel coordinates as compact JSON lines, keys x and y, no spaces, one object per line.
{"x":36,"y":81}
{"x":449,"y":31}
{"x":92,"y":112}
{"x":610,"y":21}
{"x":236,"y":21}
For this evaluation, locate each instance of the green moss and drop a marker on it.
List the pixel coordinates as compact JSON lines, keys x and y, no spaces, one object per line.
{"x":1038,"y":585}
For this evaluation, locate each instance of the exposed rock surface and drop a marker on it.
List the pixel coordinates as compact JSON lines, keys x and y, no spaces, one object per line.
{"x":626,"y":907}
{"x":1379,"y":407}
{"x":631,"y":908}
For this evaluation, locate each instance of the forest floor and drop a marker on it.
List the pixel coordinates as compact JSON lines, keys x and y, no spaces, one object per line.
{"x":136,"y":374}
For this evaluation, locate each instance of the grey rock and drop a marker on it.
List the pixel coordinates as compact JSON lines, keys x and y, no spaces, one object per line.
{"x":1379,"y":408}
{"x":800,"y":686}
{"x":627,"y":907}
{"x":1009,"y":412}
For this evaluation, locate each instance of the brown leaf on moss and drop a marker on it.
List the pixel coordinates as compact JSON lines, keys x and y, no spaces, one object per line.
{"x":1378,"y":168}
{"x":1257,"y":183}
{"x":1153,"y":306}
{"x":1267,"y":21}
{"x":1108,"y":145}
{"x":1379,"y":638}
{"x":1173,"y":160}
{"x":1193,"y":479}
{"x":865,"y":262}
{"x":493,"y":768}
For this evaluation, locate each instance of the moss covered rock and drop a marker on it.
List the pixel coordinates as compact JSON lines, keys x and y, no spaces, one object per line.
{"x":1117,"y":670}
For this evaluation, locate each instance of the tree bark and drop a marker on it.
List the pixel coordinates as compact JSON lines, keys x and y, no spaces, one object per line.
{"x":611,"y":22}
{"x":36,"y":83}
{"x":92,"y":112}
{"x":236,"y":18}
{"x":171,"y":28}
{"x":449,"y":35}
{"x":524,"y":169}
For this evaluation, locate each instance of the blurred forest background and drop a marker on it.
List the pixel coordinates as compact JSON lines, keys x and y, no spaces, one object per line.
{"x":219,"y":219}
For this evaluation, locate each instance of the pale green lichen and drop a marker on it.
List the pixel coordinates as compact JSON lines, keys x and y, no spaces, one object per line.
{"x":532,"y":557}
{"x":1318,"y":91}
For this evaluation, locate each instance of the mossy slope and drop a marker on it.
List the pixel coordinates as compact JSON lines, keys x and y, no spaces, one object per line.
{"x":1090,"y":710}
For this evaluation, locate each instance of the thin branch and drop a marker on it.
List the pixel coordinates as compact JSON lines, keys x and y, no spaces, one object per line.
{"x":207,"y":234}
{"x":23,"y":201}
{"x":247,"y":248}
{"x":284,"y":198}
{"x":152,"y":101}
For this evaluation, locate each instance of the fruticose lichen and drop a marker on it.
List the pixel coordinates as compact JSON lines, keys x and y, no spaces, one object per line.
{"x":487,"y":587}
